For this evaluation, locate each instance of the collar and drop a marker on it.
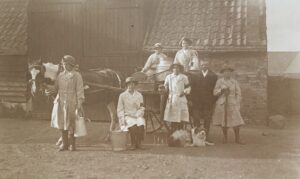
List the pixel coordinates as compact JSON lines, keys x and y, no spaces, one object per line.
{"x":204,"y":72}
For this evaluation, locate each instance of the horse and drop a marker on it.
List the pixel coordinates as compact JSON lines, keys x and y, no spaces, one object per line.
{"x":43,"y":76}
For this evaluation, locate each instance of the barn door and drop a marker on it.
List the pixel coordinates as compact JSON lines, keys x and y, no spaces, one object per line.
{"x":113,"y":27}
{"x":55,"y":29}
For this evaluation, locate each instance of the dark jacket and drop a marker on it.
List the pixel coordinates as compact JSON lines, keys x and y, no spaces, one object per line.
{"x":202,"y":88}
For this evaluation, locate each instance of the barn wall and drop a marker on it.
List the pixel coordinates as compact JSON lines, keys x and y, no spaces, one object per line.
{"x":98,"y":33}
{"x":13,"y":78}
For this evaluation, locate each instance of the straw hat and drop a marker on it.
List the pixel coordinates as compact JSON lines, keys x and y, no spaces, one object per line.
{"x":227,"y":67}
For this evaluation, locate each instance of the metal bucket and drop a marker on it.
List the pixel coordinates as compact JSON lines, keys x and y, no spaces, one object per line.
{"x":118,"y":140}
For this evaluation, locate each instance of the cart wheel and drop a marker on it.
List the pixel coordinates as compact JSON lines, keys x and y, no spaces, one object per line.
{"x":153,"y":122}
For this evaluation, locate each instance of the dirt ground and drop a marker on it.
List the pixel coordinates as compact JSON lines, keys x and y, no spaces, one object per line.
{"x":27,"y":150}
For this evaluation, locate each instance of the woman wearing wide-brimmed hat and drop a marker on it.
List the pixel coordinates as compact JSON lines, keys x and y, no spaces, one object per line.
{"x":177,"y":84}
{"x":130,"y":112}
{"x":227,"y":111}
{"x":157,"y":63}
{"x":186,"y":56}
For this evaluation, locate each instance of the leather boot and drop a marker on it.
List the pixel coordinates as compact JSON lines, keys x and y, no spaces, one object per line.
{"x":65,"y":141}
{"x":72,"y":142}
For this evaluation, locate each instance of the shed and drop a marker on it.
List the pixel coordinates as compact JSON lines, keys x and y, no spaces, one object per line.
{"x":284,"y":83}
{"x":13,"y":50}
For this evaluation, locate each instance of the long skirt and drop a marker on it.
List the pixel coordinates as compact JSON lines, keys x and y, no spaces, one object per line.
{"x":234,"y":117}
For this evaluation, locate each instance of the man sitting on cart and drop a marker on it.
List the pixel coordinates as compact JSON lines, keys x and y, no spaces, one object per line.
{"x":157,"y":64}
{"x":130,"y":112}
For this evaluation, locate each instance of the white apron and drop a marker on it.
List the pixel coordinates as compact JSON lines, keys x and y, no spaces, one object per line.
{"x":176,"y":107}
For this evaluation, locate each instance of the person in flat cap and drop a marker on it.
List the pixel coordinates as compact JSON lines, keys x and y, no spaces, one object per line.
{"x":130,"y":112}
{"x":187,"y":56}
{"x":227,"y":111}
{"x":69,"y":99}
{"x":157,"y":63}
{"x":177,"y":86}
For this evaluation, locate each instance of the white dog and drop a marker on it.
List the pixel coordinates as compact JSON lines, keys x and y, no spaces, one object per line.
{"x":199,"y":137}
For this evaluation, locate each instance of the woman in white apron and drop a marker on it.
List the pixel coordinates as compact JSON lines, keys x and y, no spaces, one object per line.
{"x":130,"y":112}
{"x":176,"y":111}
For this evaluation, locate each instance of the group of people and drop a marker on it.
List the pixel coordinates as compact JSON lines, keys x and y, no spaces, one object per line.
{"x":193,"y":90}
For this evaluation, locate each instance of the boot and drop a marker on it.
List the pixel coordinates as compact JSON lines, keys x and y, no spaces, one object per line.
{"x":224,"y":129}
{"x":72,"y":142}
{"x":65,"y":141}
{"x":237,"y":136}
{"x":132,"y":131}
{"x":139,"y":137}
{"x":207,"y":127}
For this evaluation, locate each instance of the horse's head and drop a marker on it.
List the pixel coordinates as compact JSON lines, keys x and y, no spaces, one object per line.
{"x":41,"y":74}
{"x":36,"y":71}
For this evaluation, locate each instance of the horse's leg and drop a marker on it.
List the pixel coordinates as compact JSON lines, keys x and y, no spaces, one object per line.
{"x":113,"y":118}
{"x":28,"y":108}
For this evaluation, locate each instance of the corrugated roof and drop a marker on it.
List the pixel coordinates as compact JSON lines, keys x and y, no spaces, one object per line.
{"x":13,"y":27}
{"x":213,"y":25}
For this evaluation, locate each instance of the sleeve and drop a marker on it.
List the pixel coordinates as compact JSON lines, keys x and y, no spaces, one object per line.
{"x":79,"y":89}
{"x":166,"y":84}
{"x":195,"y":60}
{"x":148,"y":64}
{"x":141,"y":110}
{"x":187,"y":86}
{"x":176,"y":59}
{"x":218,"y":88}
{"x":120,"y":108}
{"x":238,"y":92}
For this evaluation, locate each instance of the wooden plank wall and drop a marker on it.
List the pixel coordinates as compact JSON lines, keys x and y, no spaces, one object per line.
{"x":100,"y":33}
{"x":13,"y":78}
{"x":55,"y":29}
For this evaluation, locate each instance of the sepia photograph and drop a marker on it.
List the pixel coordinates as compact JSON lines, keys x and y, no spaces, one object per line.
{"x":149,"y":89}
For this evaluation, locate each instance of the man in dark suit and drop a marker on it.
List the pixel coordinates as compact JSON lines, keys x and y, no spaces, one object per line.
{"x":202,"y":97}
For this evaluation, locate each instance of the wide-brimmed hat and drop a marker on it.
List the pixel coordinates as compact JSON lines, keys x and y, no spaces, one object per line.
{"x":187,"y":40}
{"x":130,"y":80}
{"x":68,"y":59}
{"x":157,"y":46}
{"x":177,"y":65}
{"x":227,"y":67}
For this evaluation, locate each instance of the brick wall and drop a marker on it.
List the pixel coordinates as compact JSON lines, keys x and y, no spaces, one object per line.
{"x":251,"y":73}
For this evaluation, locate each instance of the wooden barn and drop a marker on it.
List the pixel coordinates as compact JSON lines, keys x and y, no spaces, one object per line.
{"x":13,"y":51}
{"x":119,"y":34}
